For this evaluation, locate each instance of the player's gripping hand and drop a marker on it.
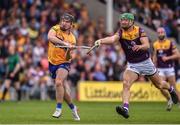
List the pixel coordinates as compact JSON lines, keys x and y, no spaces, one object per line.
{"x":97,"y":43}
{"x":71,"y":46}
{"x":165,"y":58}
{"x":136,"y":48}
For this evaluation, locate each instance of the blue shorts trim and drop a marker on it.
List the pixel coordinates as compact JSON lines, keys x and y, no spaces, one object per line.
{"x":54,"y":68}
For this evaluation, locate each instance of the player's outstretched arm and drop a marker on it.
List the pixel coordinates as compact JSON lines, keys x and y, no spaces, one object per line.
{"x":54,"y":39}
{"x":107,"y":40}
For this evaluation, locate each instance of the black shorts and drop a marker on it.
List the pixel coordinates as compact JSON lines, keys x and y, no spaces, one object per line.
{"x":13,"y":79}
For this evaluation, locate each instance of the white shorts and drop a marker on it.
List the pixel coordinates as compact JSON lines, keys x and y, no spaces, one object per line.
{"x":166,"y":72}
{"x":143,"y":68}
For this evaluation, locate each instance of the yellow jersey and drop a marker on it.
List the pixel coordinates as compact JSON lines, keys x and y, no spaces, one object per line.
{"x":56,"y":55}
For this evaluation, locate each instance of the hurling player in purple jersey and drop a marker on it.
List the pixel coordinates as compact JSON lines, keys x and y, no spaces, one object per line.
{"x":165,"y":53}
{"x":135,"y":44}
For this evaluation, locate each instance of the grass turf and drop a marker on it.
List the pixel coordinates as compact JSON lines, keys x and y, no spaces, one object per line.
{"x":39,"y":112}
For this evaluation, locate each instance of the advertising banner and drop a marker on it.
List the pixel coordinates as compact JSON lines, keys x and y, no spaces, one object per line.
{"x":112,"y":91}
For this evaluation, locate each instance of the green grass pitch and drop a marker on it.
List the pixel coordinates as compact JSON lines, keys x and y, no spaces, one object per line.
{"x":39,"y":112}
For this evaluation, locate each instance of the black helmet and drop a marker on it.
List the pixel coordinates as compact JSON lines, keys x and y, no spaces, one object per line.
{"x":68,"y":17}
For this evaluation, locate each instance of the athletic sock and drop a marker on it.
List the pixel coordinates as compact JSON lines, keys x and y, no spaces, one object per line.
{"x":71,"y":106}
{"x":19,"y":94}
{"x":59,"y":106}
{"x":171,"y":89}
{"x":126,"y":106}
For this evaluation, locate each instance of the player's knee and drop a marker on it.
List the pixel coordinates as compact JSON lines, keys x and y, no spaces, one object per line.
{"x":7,"y":84}
{"x":161,"y":84}
{"x":59,"y":83}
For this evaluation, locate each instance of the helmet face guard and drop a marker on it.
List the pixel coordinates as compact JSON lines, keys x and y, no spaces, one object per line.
{"x":126,"y":20}
{"x":67,"y":17}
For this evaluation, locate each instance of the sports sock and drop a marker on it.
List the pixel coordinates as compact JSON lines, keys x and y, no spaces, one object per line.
{"x":71,"y":106}
{"x":19,"y":95}
{"x":59,"y":105}
{"x":171,"y":89}
{"x":126,"y":106}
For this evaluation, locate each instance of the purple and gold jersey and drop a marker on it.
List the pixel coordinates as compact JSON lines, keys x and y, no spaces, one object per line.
{"x":164,"y":48}
{"x":130,"y":38}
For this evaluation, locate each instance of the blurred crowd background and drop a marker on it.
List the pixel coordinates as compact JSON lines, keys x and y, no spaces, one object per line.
{"x":24,"y":24}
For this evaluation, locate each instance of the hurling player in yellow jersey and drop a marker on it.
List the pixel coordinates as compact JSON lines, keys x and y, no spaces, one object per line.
{"x":135,"y":44}
{"x":59,"y":61}
{"x":165,"y":53}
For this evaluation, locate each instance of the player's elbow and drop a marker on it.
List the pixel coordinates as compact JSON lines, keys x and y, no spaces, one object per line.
{"x":49,"y":37}
{"x":148,"y":46}
{"x":178,"y":55}
{"x":52,"y":39}
{"x":18,"y":65}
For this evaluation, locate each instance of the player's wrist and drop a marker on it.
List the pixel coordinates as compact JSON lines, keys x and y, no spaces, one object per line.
{"x":100,"y":41}
{"x":143,"y":47}
{"x":168,"y":57}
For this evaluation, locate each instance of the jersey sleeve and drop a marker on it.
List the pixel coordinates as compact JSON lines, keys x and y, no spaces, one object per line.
{"x":173,"y":44}
{"x":55,"y":28}
{"x":154,"y":45}
{"x":142,"y":33}
{"x":118,"y":33}
{"x":17,"y":59}
{"x":74,"y":40}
